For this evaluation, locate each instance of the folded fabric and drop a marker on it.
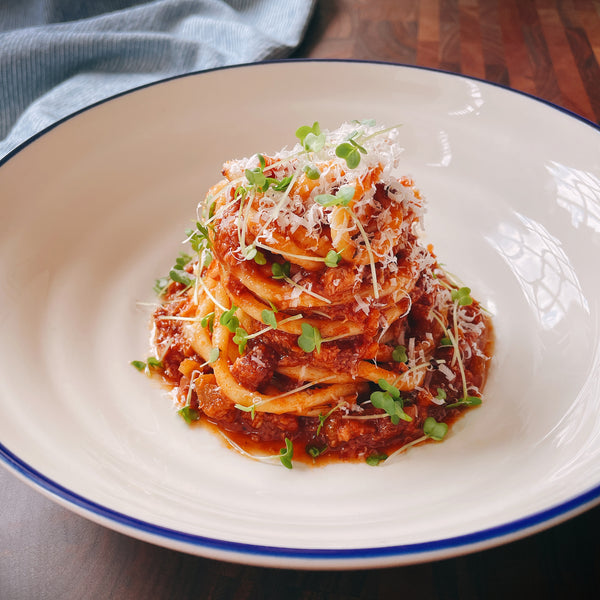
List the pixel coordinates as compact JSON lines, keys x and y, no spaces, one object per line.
{"x":58,"y":56}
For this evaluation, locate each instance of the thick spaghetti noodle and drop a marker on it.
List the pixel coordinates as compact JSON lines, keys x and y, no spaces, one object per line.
{"x":310,"y":315}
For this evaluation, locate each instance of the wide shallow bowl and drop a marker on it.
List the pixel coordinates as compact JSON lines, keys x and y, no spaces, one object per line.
{"x":94,"y":209}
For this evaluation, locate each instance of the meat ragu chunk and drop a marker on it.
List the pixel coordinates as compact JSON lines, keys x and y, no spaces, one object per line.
{"x":255,"y":368}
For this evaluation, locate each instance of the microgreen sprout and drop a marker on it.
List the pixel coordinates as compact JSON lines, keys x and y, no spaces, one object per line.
{"x":280,"y":185}
{"x":229,"y":320}
{"x":189,"y":414}
{"x":286,"y":454}
{"x":208,"y":321}
{"x":280,"y":270}
{"x":311,"y":138}
{"x":251,"y":409}
{"x":341,"y":198}
{"x":323,"y":418}
{"x":315,"y":451}
{"x":199,"y":237}
{"x":259,"y":258}
{"x":310,"y":339}
{"x":268,"y":318}
{"x":399,"y":354}
{"x":388,"y":399}
{"x":462,"y":296}
{"x":374,"y":459}
{"x":466,"y":401}
{"x":249,"y":252}
{"x":177,"y":273}
{"x":160,"y":285}
{"x":350,"y":151}
{"x":179,"y":276}
{"x":367,"y":122}
{"x":213,"y":355}
{"x":332,"y":259}
{"x":151,"y":363}
{"x":312,"y":172}
{"x":441,"y":394}
{"x":240,"y":193}
{"x":257,"y":178}
{"x":240,"y":338}
{"x":434,"y":430}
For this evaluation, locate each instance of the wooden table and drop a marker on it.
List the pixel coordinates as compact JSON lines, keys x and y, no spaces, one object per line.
{"x":549,"y":48}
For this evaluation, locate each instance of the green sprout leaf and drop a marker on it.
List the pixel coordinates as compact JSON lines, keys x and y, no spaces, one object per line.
{"x":466,"y":401}
{"x":268,"y":318}
{"x":182,"y":260}
{"x":345,"y":194}
{"x":399,"y":354}
{"x":312,"y":172}
{"x":441,"y":394}
{"x":208,"y":321}
{"x":160,"y":285}
{"x":140,"y":365}
{"x":189,"y":414}
{"x":462,"y":296}
{"x":251,"y":409}
{"x":257,"y":179}
{"x":376,"y":458}
{"x":311,"y":138}
{"x":213,"y":355}
{"x":393,"y":391}
{"x":323,"y":418}
{"x":342,"y":197}
{"x":207,"y":257}
{"x":366,"y":122}
{"x":155,"y":363}
{"x":180,"y":276}
{"x":250,"y":252}
{"x":315,"y":451}
{"x":280,"y":270}
{"x":259,"y":258}
{"x":332,"y":259}
{"x":240,"y":193}
{"x":350,"y":153}
{"x":280,"y":185}
{"x":310,"y":339}
{"x":389,"y":400}
{"x":286,"y":454}
{"x":199,"y":238}
{"x":229,"y":320}
{"x":314,"y":143}
{"x":240,"y":338}
{"x":434,"y":430}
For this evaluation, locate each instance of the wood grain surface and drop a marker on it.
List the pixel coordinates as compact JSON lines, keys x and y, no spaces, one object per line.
{"x":548,"y":48}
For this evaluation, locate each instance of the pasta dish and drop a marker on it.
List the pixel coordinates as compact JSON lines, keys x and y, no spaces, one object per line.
{"x":308,"y":320}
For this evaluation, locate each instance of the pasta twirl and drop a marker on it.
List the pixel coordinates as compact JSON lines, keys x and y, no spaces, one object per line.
{"x":310,"y":316}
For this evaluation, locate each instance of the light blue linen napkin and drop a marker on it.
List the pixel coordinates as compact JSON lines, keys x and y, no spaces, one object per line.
{"x":58,"y":56}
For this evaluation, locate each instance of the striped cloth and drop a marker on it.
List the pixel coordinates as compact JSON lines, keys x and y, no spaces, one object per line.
{"x":57,"y":56}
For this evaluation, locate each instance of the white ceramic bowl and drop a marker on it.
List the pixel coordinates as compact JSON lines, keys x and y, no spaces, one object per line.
{"x":94,"y":210}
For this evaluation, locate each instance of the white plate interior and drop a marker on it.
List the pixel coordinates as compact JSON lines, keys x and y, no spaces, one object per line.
{"x":95,"y":209}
